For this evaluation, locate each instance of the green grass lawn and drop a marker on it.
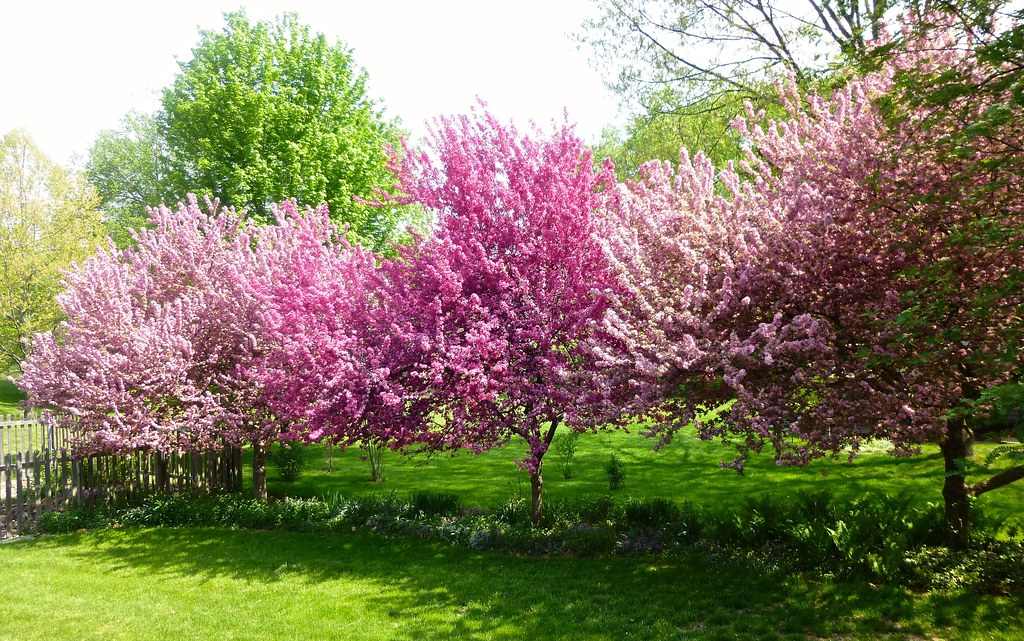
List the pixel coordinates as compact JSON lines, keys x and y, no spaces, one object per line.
{"x":686,"y":470}
{"x":224,"y":584}
{"x":10,"y":398}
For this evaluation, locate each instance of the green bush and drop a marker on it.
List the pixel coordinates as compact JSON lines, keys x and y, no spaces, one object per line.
{"x":70,"y":520}
{"x":435,"y":503}
{"x":652,"y":513}
{"x":994,"y":567}
{"x":564,"y":445}
{"x":882,"y":539}
{"x":615,"y":469}
{"x":289,"y":461}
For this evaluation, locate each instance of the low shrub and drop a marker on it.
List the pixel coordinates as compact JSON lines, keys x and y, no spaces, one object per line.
{"x":435,"y":503}
{"x":615,"y":470}
{"x":564,"y":445}
{"x":652,"y":513}
{"x":289,"y":461}
{"x":994,"y":567}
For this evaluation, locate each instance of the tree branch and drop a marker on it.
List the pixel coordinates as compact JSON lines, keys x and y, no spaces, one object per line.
{"x":998,"y":481}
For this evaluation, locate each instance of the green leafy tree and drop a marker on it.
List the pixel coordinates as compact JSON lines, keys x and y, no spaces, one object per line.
{"x":268,"y":110}
{"x":703,"y":49}
{"x":130,"y":168}
{"x":685,"y":67}
{"x":664,"y":126}
{"x":49,"y":218}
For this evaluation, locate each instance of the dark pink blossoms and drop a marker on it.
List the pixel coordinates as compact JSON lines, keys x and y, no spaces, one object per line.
{"x":516,"y":282}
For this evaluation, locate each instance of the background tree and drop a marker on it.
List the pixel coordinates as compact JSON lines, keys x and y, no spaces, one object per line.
{"x":267,"y":111}
{"x":664,"y":125}
{"x":48,"y":220}
{"x":685,"y":67}
{"x":853,"y":286}
{"x":130,"y":168}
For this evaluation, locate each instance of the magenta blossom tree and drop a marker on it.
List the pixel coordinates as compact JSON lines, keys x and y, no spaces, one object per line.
{"x":514,"y":284}
{"x":348,"y":338}
{"x":154,"y":352}
{"x":848,"y":282}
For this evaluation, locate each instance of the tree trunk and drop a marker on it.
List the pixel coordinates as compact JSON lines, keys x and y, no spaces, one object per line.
{"x":536,"y":494}
{"x":536,"y":480}
{"x":955,"y":450}
{"x":259,"y":471}
{"x":163,"y":477}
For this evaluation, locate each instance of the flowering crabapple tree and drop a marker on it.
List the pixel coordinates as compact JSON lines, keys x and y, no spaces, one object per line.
{"x":515,"y":284}
{"x":346,"y":338}
{"x":847,"y":282}
{"x":153,"y":354}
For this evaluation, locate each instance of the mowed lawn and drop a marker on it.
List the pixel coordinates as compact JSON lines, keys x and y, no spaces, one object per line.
{"x":225,"y":584}
{"x":686,"y":470}
{"x":209,"y":583}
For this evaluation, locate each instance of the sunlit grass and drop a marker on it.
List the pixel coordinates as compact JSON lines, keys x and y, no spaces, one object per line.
{"x":686,"y":470}
{"x":223,"y":584}
{"x":10,"y":398}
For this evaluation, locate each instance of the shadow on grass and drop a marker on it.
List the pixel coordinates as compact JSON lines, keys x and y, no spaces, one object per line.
{"x":424,"y":590}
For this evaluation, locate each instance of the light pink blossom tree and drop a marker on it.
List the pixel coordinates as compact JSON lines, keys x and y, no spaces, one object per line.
{"x":153,"y":354}
{"x":843,"y":284}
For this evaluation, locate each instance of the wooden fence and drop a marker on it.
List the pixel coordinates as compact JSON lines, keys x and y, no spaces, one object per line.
{"x":38,"y":473}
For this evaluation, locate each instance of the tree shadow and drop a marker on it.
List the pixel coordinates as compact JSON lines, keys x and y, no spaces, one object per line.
{"x":423,"y":590}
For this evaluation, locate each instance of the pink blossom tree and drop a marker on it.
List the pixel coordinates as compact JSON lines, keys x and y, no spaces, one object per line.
{"x":153,"y":354}
{"x":846,"y":283}
{"x":514,"y":285}
{"x":347,"y":335}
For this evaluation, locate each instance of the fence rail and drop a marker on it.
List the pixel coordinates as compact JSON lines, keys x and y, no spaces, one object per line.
{"x":39,"y":472}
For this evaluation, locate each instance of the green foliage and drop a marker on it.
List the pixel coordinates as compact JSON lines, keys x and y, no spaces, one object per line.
{"x":876,"y":538}
{"x":71,"y":520}
{"x":664,"y":127}
{"x":48,"y":220}
{"x":615,"y":470}
{"x":564,"y":445}
{"x":266,"y":111}
{"x":131,"y":169}
{"x":288,"y":460}
{"x":993,"y":568}
{"x":435,"y":503}
{"x":657,"y":512}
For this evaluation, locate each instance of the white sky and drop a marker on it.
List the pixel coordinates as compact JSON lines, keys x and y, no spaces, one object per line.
{"x":70,"y":68}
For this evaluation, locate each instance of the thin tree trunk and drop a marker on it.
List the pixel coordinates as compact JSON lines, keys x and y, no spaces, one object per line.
{"x":537,"y":481}
{"x":537,"y":495}
{"x":955,"y":450}
{"x":163,"y":477}
{"x":259,"y":470}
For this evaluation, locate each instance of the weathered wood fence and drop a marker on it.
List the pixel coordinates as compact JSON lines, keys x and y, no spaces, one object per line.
{"x":38,"y":473}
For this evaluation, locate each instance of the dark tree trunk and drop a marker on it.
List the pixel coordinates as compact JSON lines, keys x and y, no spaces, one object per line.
{"x":163,"y":476}
{"x":259,"y":470}
{"x":537,"y":495}
{"x":536,"y":480}
{"x":956,"y":493}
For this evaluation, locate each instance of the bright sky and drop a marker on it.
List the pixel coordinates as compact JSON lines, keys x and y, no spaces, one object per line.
{"x":72,"y":68}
